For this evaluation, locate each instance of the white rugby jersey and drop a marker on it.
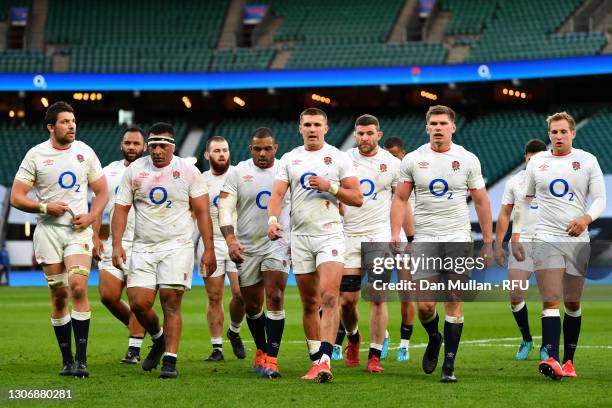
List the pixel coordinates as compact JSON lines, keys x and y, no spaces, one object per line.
{"x":214,"y":184}
{"x":60,"y":175}
{"x":514,"y":192}
{"x":562,"y":185}
{"x":441,"y":181}
{"x":114,"y":173}
{"x":378,"y":175}
{"x":252,"y":187}
{"x":314,"y":212}
{"x":160,"y":197}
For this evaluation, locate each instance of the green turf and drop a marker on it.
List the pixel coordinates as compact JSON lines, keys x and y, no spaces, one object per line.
{"x":487,"y":372}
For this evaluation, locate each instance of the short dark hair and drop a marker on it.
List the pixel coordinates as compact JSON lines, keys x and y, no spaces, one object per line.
{"x":136,"y":129}
{"x":313,"y":112}
{"x":215,"y":139}
{"x":161,"y":127}
{"x":262,"y":133}
{"x":366,"y":120}
{"x":440,"y":110}
{"x":534,"y":146}
{"x":393,"y":142}
{"x":54,"y":110}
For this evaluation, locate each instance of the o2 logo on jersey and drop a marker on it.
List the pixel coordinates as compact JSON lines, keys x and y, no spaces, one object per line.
{"x":554,"y":190}
{"x":159,"y":196}
{"x":370,"y":188}
{"x":216,"y":201}
{"x":440,"y":193}
{"x":67,"y":180}
{"x":303,"y":180}
{"x":259,"y":199}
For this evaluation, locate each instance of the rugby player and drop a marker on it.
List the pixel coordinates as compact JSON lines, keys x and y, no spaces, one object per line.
{"x":60,"y":170}
{"x":395,"y":146}
{"x":263,"y":265}
{"x":441,"y":173}
{"x":562,"y":179}
{"x":518,"y":271}
{"x":218,"y":154}
{"x":379,"y":172}
{"x":320,"y":177}
{"x":164,"y":190}
{"x":112,"y":280}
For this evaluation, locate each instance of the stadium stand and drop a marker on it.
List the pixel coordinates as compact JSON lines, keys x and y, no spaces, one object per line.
{"x":520,"y":29}
{"x":594,"y":137}
{"x":137,"y":36}
{"x":24,"y":61}
{"x":241,"y":59}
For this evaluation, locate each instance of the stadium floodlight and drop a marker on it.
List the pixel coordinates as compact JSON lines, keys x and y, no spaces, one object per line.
{"x":44,"y":101}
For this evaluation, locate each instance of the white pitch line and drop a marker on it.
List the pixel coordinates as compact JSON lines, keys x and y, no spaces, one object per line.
{"x":477,"y":343}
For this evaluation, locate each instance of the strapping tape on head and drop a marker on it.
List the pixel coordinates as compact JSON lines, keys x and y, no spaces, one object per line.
{"x":57,"y":281}
{"x":161,"y":139}
{"x":78,"y":270}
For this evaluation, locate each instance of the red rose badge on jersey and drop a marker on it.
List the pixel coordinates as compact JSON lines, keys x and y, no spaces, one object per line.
{"x":334,"y":252}
{"x":327,"y":160}
{"x":576,"y":165}
{"x":383,"y":167}
{"x":176,"y":174}
{"x":455,"y":165}
{"x":80,"y":158}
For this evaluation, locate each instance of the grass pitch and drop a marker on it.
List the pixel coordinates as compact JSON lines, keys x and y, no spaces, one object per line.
{"x":487,"y":372}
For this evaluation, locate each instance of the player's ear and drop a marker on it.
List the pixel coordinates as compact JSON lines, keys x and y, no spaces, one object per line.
{"x":207,"y":156}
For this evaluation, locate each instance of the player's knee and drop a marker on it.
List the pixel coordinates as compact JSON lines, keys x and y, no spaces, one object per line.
{"x":572,"y":306}
{"x":78,"y":290}
{"x":215,"y":299}
{"x":252,"y":308}
{"x":329,"y":300}
{"x":310,"y":305}
{"x":108,"y":298}
{"x":59,"y":299}
{"x":348,"y":300}
{"x":274,"y":299}
{"x":140,"y":306}
{"x":550,"y":305}
{"x":426,"y":309}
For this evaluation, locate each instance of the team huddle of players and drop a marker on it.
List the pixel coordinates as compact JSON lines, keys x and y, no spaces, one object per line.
{"x":310,"y":210}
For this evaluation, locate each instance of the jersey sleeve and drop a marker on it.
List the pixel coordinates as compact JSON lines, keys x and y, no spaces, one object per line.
{"x":395,"y":172}
{"x":406,"y":169}
{"x":597,"y":190}
{"x":282,"y":172}
{"x":231,"y":182}
{"x":94,"y":168}
{"x":125,"y":193}
{"x":198,"y":186}
{"x":27,"y":170}
{"x":346,"y":168}
{"x":508,"y":198}
{"x":529,"y":183}
{"x":474,"y":179}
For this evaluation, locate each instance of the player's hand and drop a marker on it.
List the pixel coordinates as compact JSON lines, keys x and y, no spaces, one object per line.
{"x":235,"y":249}
{"x":486,"y":252}
{"x":319,"y":183}
{"x":98,"y":248}
{"x":57,"y":208}
{"x":208,"y":262}
{"x":500,"y":254}
{"x":82,"y":221}
{"x":119,"y":257}
{"x":578,"y":226}
{"x":275,"y":231}
{"x":517,"y":250}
